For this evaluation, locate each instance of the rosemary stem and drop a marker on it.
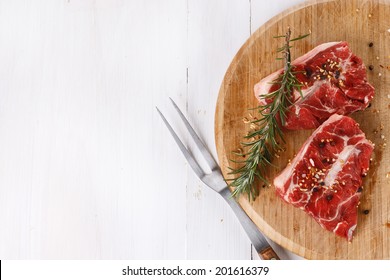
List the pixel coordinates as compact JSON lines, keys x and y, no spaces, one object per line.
{"x":263,"y":143}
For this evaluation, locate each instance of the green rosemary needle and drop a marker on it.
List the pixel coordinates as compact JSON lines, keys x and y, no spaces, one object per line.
{"x":259,"y":151}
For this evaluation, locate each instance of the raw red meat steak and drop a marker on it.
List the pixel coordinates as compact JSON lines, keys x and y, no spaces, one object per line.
{"x":334,"y":81}
{"x":325,"y":178}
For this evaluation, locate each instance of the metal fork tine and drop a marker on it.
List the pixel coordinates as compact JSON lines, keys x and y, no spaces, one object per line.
{"x":205,"y":152}
{"x":195,"y":166}
{"x":216,"y":182}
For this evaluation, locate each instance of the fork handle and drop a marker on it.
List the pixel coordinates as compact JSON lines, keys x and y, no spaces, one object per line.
{"x":268,"y":254}
{"x":257,"y":238}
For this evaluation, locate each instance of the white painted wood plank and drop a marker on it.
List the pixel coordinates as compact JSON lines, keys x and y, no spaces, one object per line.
{"x":262,"y":11}
{"x":84,"y":157}
{"x":216,"y":31}
{"x":87,"y":169}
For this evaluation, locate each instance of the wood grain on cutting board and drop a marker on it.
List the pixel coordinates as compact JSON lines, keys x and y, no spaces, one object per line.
{"x":360,"y":23}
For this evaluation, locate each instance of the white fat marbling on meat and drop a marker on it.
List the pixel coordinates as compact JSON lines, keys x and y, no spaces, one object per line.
{"x":288,"y":172}
{"x":345,"y":65}
{"x":306,"y":92}
{"x":350,"y":231}
{"x":337,"y":212}
{"x":342,"y":158}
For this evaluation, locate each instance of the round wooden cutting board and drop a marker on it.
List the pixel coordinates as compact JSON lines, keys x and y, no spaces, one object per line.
{"x":360,"y":22}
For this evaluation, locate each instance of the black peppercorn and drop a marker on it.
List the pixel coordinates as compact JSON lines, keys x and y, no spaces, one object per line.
{"x":371,"y":44}
{"x":365,"y":212}
{"x":360,"y":189}
{"x":329,"y":197}
{"x":308,"y":72}
{"x":371,"y":67}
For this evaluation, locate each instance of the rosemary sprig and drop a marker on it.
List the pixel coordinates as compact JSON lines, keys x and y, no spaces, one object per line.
{"x":265,"y":144}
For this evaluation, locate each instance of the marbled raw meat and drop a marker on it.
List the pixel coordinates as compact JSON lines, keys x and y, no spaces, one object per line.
{"x":325,"y":177}
{"x":334,"y":81}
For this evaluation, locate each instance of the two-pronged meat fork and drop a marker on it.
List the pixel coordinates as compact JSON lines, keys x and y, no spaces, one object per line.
{"x":216,"y":182}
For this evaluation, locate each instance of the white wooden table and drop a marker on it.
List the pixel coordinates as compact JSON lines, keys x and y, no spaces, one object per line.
{"x":87,"y":168}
